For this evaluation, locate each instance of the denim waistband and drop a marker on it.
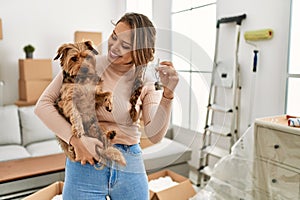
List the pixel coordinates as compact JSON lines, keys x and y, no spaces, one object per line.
{"x":128,"y":148}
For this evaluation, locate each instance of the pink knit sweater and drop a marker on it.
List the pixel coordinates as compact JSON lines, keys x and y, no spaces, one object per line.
{"x":156,"y":110}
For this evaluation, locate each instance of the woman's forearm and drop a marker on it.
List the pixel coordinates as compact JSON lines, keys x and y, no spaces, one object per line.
{"x":48,"y":114}
{"x":158,"y":120}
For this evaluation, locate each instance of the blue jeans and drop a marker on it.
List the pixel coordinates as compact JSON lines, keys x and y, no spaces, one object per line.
{"x":119,"y":183}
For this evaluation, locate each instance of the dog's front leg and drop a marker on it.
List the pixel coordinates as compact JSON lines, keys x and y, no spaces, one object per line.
{"x":98,"y":88}
{"x":76,"y":121}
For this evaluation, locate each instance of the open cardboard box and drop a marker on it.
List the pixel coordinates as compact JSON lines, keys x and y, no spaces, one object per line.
{"x":183,"y":191}
{"x":48,"y":192}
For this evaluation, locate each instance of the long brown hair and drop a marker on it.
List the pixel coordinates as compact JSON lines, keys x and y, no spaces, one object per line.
{"x":143,"y":40}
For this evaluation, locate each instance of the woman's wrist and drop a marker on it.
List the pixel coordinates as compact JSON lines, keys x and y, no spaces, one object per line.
{"x":72,"y":140}
{"x":168,"y":94}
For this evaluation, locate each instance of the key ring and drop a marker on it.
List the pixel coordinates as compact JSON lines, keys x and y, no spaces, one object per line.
{"x":157,"y":84}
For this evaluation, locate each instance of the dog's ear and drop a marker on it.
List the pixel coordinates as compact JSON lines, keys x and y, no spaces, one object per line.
{"x":90,"y":47}
{"x":57,"y":57}
{"x":62,"y":50}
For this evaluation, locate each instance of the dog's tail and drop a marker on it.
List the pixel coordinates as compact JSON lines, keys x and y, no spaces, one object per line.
{"x":110,"y":154}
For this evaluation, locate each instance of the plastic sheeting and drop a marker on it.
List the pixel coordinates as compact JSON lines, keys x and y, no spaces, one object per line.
{"x":242,"y":176}
{"x":232,"y":175}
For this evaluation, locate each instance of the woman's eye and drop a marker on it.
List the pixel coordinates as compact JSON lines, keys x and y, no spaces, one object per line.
{"x":114,"y":37}
{"x":126,"y":47}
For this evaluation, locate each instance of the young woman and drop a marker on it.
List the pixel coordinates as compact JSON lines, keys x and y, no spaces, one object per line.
{"x":131,"y":47}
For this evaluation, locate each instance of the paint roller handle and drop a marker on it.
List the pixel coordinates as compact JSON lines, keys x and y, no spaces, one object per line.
{"x":238,"y":19}
{"x":255,"y":60}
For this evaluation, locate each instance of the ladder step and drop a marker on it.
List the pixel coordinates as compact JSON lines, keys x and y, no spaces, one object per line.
{"x":216,"y":151}
{"x":207,"y":171}
{"x":220,"y":130}
{"x":219,"y":108}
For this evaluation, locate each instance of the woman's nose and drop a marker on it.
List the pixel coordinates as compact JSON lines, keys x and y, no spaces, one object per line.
{"x":116,"y":46}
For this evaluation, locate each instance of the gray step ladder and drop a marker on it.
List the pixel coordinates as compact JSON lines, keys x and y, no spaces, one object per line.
{"x":222,"y":117}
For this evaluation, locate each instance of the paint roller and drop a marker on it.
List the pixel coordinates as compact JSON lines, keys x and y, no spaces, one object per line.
{"x":264,"y":34}
{"x":256,"y":35}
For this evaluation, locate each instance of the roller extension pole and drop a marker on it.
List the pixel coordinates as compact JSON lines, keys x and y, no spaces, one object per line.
{"x":253,"y":86}
{"x":255,"y":35}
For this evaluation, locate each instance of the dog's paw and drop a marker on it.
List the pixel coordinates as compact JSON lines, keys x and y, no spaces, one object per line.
{"x":71,"y":153}
{"x":104,"y":99}
{"x":111,"y":134}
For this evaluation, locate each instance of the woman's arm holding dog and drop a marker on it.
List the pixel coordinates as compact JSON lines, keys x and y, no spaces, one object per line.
{"x":50,"y":116}
{"x":47,"y":112}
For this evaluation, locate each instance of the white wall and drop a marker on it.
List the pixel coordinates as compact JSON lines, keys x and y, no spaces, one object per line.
{"x":161,"y":16}
{"x":272,"y":66}
{"x":46,"y":25}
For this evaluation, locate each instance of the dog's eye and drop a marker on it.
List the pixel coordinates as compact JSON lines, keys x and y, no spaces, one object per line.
{"x":88,"y":57}
{"x":74,"y":58}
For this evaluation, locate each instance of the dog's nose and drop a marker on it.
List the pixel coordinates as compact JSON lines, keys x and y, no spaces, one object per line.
{"x":84,"y":70}
{"x":108,"y":109}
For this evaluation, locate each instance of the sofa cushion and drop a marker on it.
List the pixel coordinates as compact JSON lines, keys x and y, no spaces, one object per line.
{"x":44,"y":148}
{"x":12,"y":152}
{"x":33,"y":129}
{"x":10,"y":126}
{"x":165,"y":153}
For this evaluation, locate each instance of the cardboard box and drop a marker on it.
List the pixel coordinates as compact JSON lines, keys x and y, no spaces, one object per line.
{"x":35,"y":69}
{"x":183,"y":191}
{"x":31,"y":90}
{"x":95,"y":37}
{"x":48,"y":192}
{"x":1,"y":35}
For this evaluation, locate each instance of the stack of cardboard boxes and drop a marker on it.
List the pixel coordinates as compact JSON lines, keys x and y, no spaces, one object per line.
{"x":34,"y":76}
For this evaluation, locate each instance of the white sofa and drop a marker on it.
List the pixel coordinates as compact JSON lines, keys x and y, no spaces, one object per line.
{"x":23,"y":135}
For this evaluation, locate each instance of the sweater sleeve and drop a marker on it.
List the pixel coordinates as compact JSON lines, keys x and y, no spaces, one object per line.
{"x":49,"y":115}
{"x":156,"y":115}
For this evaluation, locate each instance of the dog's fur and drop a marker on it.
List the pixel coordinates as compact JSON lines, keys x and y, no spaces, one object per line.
{"x":80,"y":96}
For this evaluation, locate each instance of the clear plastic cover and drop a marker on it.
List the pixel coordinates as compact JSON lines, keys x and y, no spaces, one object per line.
{"x":262,"y":167}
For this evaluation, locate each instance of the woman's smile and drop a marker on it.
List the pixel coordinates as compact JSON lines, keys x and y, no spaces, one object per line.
{"x":113,"y":55}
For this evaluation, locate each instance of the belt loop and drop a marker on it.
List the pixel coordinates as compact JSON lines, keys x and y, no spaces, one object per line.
{"x":127,"y":148}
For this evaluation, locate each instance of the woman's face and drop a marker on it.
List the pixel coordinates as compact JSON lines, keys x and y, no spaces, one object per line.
{"x":120,"y":45}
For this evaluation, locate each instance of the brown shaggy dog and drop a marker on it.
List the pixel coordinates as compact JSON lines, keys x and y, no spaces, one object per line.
{"x":81,"y":94}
